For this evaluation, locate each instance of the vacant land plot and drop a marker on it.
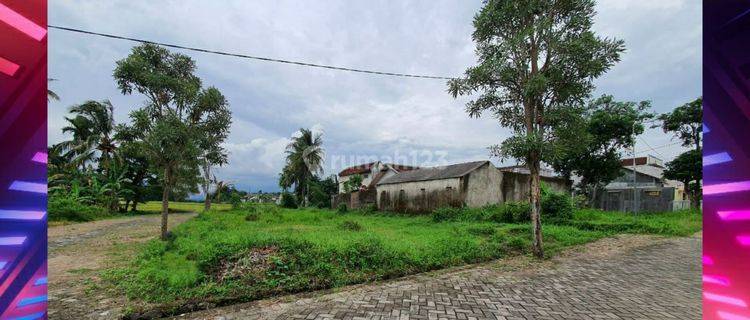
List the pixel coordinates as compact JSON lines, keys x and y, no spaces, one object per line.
{"x":155,"y":206}
{"x":259,"y":251}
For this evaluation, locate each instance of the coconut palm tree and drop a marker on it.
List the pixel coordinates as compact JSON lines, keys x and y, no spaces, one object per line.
{"x":92,"y":129}
{"x":304,"y":158}
{"x":51,"y":95}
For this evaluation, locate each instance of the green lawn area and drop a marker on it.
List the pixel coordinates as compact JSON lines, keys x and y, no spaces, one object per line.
{"x":155,"y":206}
{"x":262,"y":250}
{"x":72,"y":212}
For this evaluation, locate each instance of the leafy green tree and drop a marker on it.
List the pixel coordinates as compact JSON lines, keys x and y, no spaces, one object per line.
{"x":133,"y":152}
{"x":588,"y":144}
{"x":304,"y":159}
{"x":92,"y":127}
{"x":536,"y":60}
{"x":687,"y":168}
{"x":215,"y":118}
{"x":321,"y":190}
{"x":176,"y":118}
{"x":686,"y":122}
{"x":354,"y":182}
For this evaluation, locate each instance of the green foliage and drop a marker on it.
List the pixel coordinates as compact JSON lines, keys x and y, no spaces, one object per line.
{"x":71,"y":209}
{"x":686,"y":121}
{"x":351,"y":225}
{"x":589,"y":142}
{"x":446,"y":214}
{"x":688,"y":169}
{"x":322,"y":190}
{"x":537,"y":62}
{"x":354,"y":182}
{"x":235,"y":199}
{"x":557,"y":206}
{"x":288,"y":200}
{"x":369,"y":208}
{"x":306,"y":249}
{"x":342,"y":208}
{"x":252,"y":216}
{"x":304,"y":159}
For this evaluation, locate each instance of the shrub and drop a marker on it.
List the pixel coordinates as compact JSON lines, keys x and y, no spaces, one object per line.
{"x":485,"y":230}
{"x":511,"y":212}
{"x":342,"y":208}
{"x":369,"y":208}
{"x":351,"y":225}
{"x":252,"y":216}
{"x":446,"y":214}
{"x":236,"y":200}
{"x":288,"y":200}
{"x":68,"y":209}
{"x":557,"y":206}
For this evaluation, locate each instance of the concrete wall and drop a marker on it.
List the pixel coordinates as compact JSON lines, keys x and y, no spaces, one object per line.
{"x":516,"y":186}
{"x":652,"y":199}
{"x":484,"y":186}
{"x":420,"y":196}
{"x":354,"y":200}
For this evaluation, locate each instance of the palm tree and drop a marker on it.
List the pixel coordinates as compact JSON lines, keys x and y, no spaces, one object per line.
{"x":51,"y":95}
{"x":92,"y":129}
{"x":304,"y":158}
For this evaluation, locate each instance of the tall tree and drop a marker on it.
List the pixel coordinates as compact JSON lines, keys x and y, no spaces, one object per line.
{"x":687,"y":168}
{"x":304,"y":158}
{"x":686,"y":122}
{"x":588,"y":144}
{"x":92,"y":127}
{"x":213,"y":117}
{"x":176,"y":118}
{"x":536,"y":60}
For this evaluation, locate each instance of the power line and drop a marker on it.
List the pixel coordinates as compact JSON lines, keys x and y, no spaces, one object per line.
{"x":659,"y":147}
{"x":652,"y":148}
{"x":245,"y":56}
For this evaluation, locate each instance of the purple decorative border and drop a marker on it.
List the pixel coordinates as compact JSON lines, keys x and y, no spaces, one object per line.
{"x":23,"y":159}
{"x":726,"y":160}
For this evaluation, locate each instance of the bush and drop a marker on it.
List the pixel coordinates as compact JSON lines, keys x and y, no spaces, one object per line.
{"x":557,"y":206}
{"x":369,"y":208}
{"x":288,"y":200}
{"x":342,"y":208}
{"x":351,"y":225}
{"x":253,"y":216}
{"x":446,"y":214}
{"x":68,"y":209}
{"x":511,"y":212}
{"x":235,"y":199}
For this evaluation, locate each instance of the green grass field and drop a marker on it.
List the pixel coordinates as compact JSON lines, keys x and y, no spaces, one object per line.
{"x":260,"y":251}
{"x":155,"y":206}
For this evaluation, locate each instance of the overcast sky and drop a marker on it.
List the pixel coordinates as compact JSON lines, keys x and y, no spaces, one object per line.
{"x":412,"y":121}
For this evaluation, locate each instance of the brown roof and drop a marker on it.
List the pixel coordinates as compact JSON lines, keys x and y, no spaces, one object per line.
{"x":434,"y":173}
{"x":362,"y":168}
{"x":367,"y":167}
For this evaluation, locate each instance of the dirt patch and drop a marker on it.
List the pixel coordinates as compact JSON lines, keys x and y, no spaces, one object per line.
{"x":248,"y":265}
{"x":79,"y":252}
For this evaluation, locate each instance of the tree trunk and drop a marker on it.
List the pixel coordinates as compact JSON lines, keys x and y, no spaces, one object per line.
{"x":206,"y":185}
{"x":135,"y":205}
{"x":165,"y":204}
{"x":535,"y":204}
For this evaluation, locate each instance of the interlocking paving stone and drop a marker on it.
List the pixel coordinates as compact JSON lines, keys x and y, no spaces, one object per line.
{"x":660,"y":281}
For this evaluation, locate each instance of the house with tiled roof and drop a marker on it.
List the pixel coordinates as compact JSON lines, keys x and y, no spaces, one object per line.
{"x":371,"y":173}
